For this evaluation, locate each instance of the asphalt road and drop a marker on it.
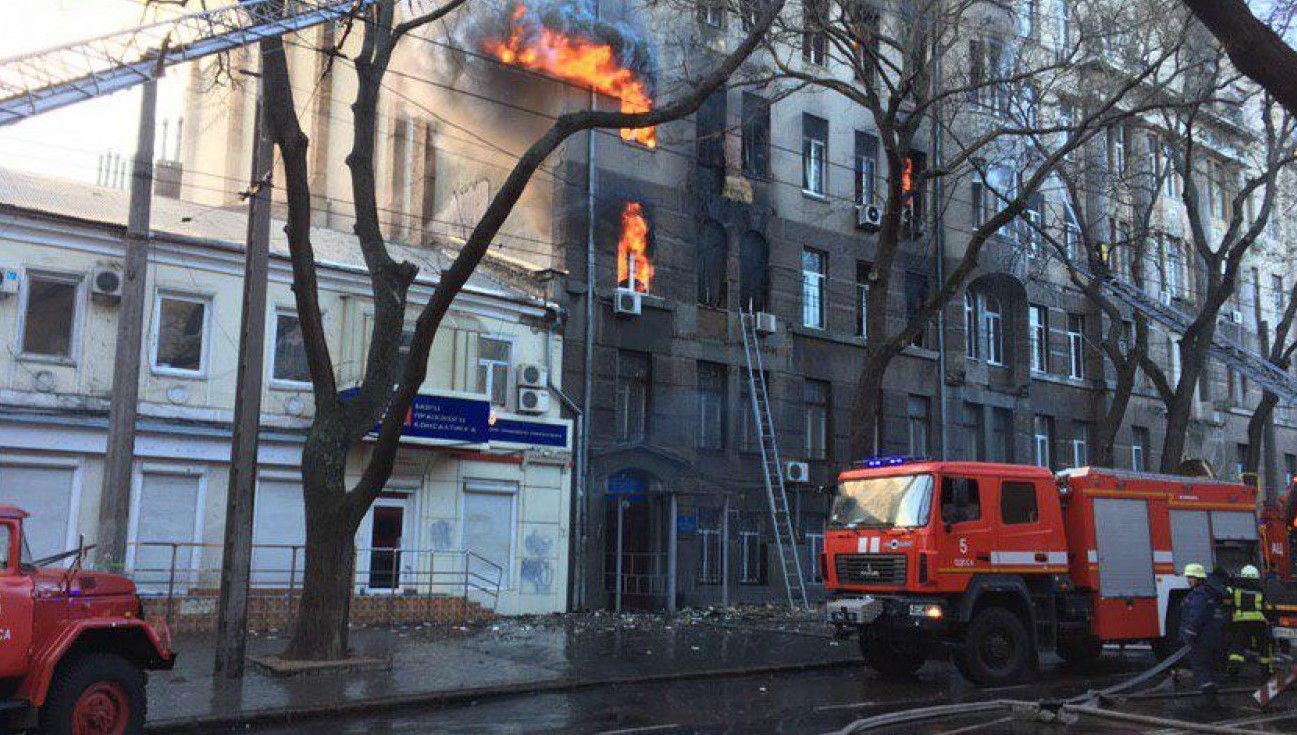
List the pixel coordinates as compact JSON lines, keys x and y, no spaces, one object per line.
{"x":804,"y":702}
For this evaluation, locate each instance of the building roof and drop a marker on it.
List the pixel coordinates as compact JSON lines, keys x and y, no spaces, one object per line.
{"x":187,"y":220}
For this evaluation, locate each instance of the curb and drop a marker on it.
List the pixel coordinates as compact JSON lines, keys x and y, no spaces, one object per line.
{"x":431,"y":699}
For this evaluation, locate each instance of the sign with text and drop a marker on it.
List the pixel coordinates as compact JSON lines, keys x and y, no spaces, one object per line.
{"x":468,"y":421}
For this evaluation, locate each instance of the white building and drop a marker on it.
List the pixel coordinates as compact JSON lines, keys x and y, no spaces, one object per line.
{"x":502,"y":492}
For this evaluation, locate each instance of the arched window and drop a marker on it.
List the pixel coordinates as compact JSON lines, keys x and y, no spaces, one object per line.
{"x":712,"y":252}
{"x":754,"y":272}
{"x":972,"y":348}
{"x":993,"y":329}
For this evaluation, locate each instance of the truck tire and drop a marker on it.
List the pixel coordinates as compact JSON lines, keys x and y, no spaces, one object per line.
{"x":893,"y":656}
{"x":1079,"y":651}
{"x":997,"y":648}
{"x":99,"y":693}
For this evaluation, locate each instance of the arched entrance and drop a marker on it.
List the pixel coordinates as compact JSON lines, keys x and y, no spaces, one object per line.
{"x":635,"y":541}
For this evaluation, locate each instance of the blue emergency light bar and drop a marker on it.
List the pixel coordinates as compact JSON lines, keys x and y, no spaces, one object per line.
{"x":888,"y":460}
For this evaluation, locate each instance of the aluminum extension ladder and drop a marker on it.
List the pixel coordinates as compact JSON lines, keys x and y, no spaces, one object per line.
{"x":1223,"y":348}
{"x":781,"y":521}
{"x":51,"y":78}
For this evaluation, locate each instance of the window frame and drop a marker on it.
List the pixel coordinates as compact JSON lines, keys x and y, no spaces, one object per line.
{"x":947,"y":481}
{"x":621,"y":416}
{"x":1042,"y":443}
{"x":993,"y":328}
{"x":745,"y":539}
{"x":1080,"y":445}
{"x":1076,"y":346}
{"x":972,"y":332}
{"x":863,"y":271}
{"x":721,"y":393}
{"x":78,"y":281}
{"x":155,"y":342}
{"x":815,"y":282}
{"x":277,"y":383}
{"x":924,"y":420}
{"x":808,"y":157}
{"x":1038,"y":337}
{"x":822,"y":408}
{"x":508,"y":367}
{"x":866,"y":168}
{"x":1032,"y":492}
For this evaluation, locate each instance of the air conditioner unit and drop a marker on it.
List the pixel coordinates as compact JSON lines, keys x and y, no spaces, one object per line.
{"x":533,"y":400}
{"x":869,"y":217}
{"x":106,"y":284}
{"x":532,"y":376}
{"x":626,"y":302}
{"x":797,"y":472}
{"x":1236,"y":316}
{"x":765,"y":322}
{"x":9,"y":280}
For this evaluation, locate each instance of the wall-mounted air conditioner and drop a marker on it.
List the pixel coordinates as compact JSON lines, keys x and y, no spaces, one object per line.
{"x":106,"y":284}
{"x":533,"y":400}
{"x":626,"y":302}
{"x":797,"y":472}
{"x":869,"y":217}
{"x":532,"y":376}
{"x":765,"y":322}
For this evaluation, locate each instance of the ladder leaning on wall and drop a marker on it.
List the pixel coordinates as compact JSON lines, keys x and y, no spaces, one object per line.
{"x":781,"y":519}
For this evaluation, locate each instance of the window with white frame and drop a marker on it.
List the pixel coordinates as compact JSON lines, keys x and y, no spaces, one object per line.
{"x":710,"y":556}
{"x":493,"y":359}
{"x":1043,"y":436}
{"x":712,"y":13}
{"x":1063,"y":25}
{"x":815,"y":154}
{"x":1177,"y":268}
{"x":180,"y":333}
{"x":866,"y":168}
{"x":815,"y":42}
{"x":990,"y":190}
{"x":993,"y":329}
{"x":814,"y":275}
{"x":50,"y":315}
{"x":1038,"y":329}
{"x":972,"y":349}
{"x":289,"y":355}
{"x":1076,"y":345}
{"x":1071,"y":233}
{"x":862,"y":298}
{"x":1033,"y":219}
{"x":1278,"y":296}
{"x":1080,"y":445}
{"x":1116,"y":135}
{"x":1139,"y":448}
{"x":752,"y":555}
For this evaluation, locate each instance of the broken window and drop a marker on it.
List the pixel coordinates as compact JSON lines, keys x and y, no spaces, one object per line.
{"x":755,"y":141}
{"x":710,"y":131}
{"x":754,"y":272}
{"x":49,"y":316}
{"x":916,"y":294}
{"x":633,"y":381}
{"x":712,"y":252}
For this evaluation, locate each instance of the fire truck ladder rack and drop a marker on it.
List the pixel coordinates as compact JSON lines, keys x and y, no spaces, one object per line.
{"x":1224,"y":348}
{"x":781,"y":520}
{"x":31,"y":84}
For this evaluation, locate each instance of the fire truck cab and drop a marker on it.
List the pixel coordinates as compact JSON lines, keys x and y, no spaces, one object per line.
{"x":994,"y":563}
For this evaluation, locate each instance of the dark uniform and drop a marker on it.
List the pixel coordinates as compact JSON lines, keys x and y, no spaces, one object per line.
{"x":1248,"y":629}
{"x":1203,"y":621}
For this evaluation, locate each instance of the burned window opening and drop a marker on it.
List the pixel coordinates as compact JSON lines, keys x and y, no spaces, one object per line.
{"x":712,"y":252}
{"x":754,"y":272}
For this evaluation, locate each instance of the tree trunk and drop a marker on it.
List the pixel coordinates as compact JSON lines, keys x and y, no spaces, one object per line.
{"x":866,"y":412}
{"x":1256,"y":432}
{"x":321,"y":630}
{"x":1179,"y":411}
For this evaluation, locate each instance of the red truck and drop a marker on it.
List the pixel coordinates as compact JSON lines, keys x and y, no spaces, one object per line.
{"x":996,"y":563}
{"x":73,"y":644}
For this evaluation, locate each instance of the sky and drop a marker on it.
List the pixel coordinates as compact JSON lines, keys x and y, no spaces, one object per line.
{"x":69,"y":141}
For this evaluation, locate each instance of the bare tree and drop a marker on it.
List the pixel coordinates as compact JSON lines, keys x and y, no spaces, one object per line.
{"x":334,"y":509}
{"x":1255,"y":48}
{"x":1282,"y":345}
{"x":976,"y":80}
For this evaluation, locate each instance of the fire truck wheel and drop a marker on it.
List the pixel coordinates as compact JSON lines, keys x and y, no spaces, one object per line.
{"x":896,"y":655}
{"x":997,"y":648}
{"x":96,"y":694}
{"x":1079,"y":651}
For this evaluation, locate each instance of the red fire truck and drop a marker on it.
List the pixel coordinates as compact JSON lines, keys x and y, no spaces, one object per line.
{"x":995,"y":563}
{"x":73,"y":644}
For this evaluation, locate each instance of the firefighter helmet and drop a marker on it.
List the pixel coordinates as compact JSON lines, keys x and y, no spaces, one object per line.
{"x":1249,"y":572}
{"x":1195,"y":571}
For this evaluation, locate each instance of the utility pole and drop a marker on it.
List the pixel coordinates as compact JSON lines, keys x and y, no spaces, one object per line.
{"x":236,"y":561}
{"x":119,"y":458}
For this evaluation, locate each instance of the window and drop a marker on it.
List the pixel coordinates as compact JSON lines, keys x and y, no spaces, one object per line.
{"x":1063,"y":26}
{"x":1290,"y":468}
{"x":861,"y":22}
{"x":975,"y":424}
{"x":814,"y":39}
{"x":961,"y":500}
{"x":746,"y":427}
{"x":814,"y":274}
{"x":1116,"y":138}
{"x":4,"y":547}
{"x":632,"y":395}
{"x":1033,"y":220}
{"x":919,"y":421}
{"x":179,"y":333}
{"x":1018,"y":503}
{"x":752,"y":551}
{"x":916,"y":294}
{"x":712,"y":256}
{"x":1071,"y":233}
{"x":866,"y":168}
{"x":1278,"y":297}
{"x":994,"y":186}
{"x":1139,"y":448}
{"x":1076,"y":345}
{"x":755,"y":136}
{"x":988,"y":73}
{"x":815,"y":399}
{"x":1002,"y":435}
{"x":709,"y":556}
{"x":754,"y":272}
{"x":1080,"y":445}
{"x":1043,"y":435}
{"x":1240,"y":460}
{"x":815,"y":154}
{"x":713,"y":383}
{"x":993,"y":329}
{"x":1177,"y":268}
{"x":712,"y":13}
{"x":1027,"y":18}
{"x":972,"y":349}
{"x":289,"y":364}
{"x":1170,"y":182}
{"x":709,"y":132}
{"x":493,"y":358}
{"x":862,"y":298}
{"x":50,"y":315}
{"x":1237,"y":384}
{"x":1038,"y":326}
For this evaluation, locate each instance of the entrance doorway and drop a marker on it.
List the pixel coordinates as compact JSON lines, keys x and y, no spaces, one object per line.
{"x":635,"y":559}
{"x":385,"y":547}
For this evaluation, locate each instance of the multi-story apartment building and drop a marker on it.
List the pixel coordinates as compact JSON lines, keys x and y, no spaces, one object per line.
{"x":753,"y":204}
{"x":495,"y":483}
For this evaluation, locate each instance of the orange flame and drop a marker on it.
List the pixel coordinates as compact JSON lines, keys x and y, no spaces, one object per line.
{"x":634,"y":269}
{"x":578,"y":60}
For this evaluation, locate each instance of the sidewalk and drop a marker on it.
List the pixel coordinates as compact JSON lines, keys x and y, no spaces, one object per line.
{"x":510,"y":656}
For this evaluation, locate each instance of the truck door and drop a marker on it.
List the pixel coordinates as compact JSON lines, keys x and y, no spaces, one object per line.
{"x":967,"y":535}
{"x":1023,"y":542}
{"x":15,"y":605}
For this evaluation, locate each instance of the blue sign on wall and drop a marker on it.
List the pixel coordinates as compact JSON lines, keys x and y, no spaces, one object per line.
{"x":687,"y":523}
{"x":468,"y":420}
{"x":528,"y":432}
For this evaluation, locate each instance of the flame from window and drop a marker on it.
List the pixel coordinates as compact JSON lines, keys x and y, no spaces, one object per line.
{"x":634,"y":269}
{"x":577,"y":60}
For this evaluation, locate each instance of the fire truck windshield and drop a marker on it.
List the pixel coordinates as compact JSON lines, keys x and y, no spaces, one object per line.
{"x":883,"y":502}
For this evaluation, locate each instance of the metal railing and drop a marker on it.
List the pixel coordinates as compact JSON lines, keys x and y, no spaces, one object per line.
{"x":175,"y":572}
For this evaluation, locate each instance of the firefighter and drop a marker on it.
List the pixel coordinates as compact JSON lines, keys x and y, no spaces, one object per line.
{"x":1202,"y":627}
{"x":1248,"y":629}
